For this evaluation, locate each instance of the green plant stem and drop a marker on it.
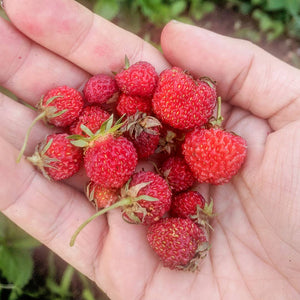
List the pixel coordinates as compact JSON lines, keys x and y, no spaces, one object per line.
{"x":120,"y":203}
{"x":38,"y":118}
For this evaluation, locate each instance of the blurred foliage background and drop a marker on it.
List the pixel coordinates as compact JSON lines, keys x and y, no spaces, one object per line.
{"x":29,"y":270}
{"x":273,"y":17}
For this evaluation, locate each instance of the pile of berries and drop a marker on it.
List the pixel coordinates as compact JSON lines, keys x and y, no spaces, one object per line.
{"x":134,"y":115}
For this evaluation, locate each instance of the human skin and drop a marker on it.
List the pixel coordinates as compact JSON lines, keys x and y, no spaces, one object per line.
{"x":256,"y":239}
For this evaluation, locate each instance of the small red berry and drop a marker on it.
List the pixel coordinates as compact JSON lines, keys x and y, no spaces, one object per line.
{"x":61,"y":106}
{"x":56,"y":157}
{"x":142,"y":186}
{"x":144,"y":132}
{"x":177,"y":173}
{"x":100,"y":88}
{"x":129,"y":105}
{"x":139,"y":79}
{"x":99,"y":196}
{"x":179,"y":243}
{"x":92,"y":116}
{"x":181,"y":101}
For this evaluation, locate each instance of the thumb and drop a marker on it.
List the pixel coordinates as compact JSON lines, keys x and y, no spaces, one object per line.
{"x":246,"y":75}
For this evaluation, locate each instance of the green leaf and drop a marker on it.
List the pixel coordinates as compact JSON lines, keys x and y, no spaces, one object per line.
{"x":177,"y":8}
{"x":16,"y":265}
{"x":292,"y":6}
{"x":275,"y":4}
{"x":67,"y":279}
{"x":108,"y":9}
{"x":80,"y":143}
{"x":257,"y":2}
{"x":146,"y":198}
{"x":14,"y":236}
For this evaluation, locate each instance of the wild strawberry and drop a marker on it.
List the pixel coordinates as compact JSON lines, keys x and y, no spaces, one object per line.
{"x":100,"y":88}
{"x":214,"y":155}
{"x":92,"y":116}
{"x":142,"y":186}
{"x":56,"y":157}
{"x":192,"y":205}
{"x":179,"y":243}
{"x":139,"y":79}
{"x":144,"y":199}
{"x":99,"y":196}
{"x":181,"y":101}
{"x":129,"y":105}
{"x":143,"y":131}
{"x":109,"y":159}
{"x":60,"y":107}
{"x":177,"y":173}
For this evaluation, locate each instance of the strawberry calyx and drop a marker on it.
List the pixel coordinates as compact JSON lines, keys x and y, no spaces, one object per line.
{"x":107,"y":128}
{"x":133,"y":206}
{"x":41,"y":160}
{"x":216,"y":122}
{"x":195,"y":262}
{"x":140,"y":122}
{"x":128,"y":201}
{"x":168,"y":142}
{"x":204,"y":214}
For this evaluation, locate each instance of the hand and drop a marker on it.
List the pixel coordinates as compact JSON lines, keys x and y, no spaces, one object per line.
{"x":256,"y":235}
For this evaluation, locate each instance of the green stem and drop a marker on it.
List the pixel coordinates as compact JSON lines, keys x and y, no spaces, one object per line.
{"x":38,"y":118}
{"x":120,"y":203}
{"x":219,"y":114}
{"x":217,"y":122}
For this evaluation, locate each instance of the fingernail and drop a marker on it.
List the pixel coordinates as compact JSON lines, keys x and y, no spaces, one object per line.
{"x":2,"y":4}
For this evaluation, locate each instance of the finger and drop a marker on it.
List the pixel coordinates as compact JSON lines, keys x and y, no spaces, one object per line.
{"x":29,"y":70}
{"x":51,"y":212}
{"x":246,"y":75}
{"x":74,"y":32}
{"x":16,"y":119}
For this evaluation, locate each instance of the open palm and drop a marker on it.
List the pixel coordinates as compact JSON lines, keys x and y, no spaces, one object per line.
{"x":256,"y":237}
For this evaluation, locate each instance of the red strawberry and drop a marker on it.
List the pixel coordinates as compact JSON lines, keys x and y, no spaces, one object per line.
{"x":142,"y":186}
{"x":92,"y":117}
{"x":177,"y":173}
{"x":99,"y":196}
{"x":144,"y":199}
{"x":144,"y":132}
{"x":61,"y":106}
{"x":192,"y":205}
{"x":129,"y":105}
{"x":109,"y":159}
{"x":179,"y":243}
{"x":100,"y":88}
{"x":181,"y":101}
{"x":56,"y":157}
{"x":185,"y":204}
{"x":214,"y":155}
{"x":139,"y":79}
